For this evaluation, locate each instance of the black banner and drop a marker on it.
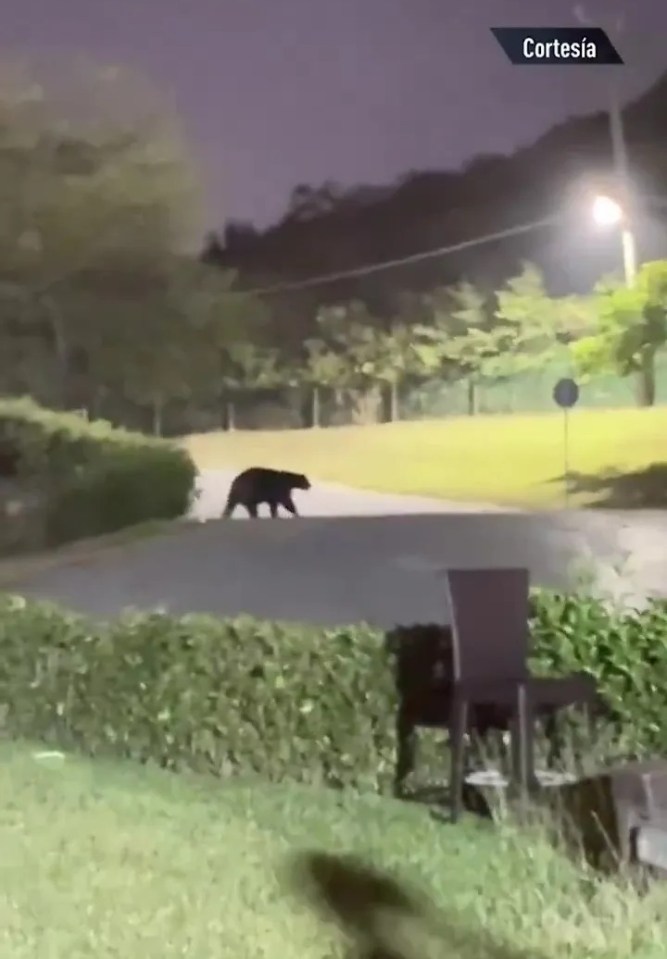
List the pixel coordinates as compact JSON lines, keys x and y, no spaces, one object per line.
{"x":552,"y":46}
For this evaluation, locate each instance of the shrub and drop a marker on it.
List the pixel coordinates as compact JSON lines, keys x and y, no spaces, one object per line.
{"x":227,"y":697}
{"x":237,"y":697}
{"x":92,"y":477}
{"x":625,"y":651}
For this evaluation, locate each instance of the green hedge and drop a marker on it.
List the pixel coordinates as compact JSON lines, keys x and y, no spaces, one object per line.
{"x":92,"y":477}
{"x":242,"y":696}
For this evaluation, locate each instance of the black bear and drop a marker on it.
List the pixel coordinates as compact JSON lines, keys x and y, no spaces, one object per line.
{"x":261,"y":485}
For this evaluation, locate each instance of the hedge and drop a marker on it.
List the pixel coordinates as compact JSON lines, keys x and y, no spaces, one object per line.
{"x":239,"y":697}
{"x":88,"y":478}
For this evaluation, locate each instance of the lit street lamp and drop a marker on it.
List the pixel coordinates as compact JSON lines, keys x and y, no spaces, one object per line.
{"x":608,"y":212}
{"x":603,"y":207}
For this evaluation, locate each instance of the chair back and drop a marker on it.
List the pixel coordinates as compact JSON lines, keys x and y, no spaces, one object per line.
{"x":489,"y":614}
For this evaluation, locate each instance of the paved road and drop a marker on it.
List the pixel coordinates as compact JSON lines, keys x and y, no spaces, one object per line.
{"x":337,"y":565}
{"x":328,"y":499}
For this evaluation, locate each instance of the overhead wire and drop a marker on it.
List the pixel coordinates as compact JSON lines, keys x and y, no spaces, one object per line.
{"x":368,"y":269}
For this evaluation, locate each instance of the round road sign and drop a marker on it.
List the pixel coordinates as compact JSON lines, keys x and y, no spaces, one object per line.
{"x":566,"y":393}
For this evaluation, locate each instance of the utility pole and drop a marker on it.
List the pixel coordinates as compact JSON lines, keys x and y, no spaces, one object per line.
{"x":619,"y":147}
{"x":622,"y":170}
{"x":619,"y":150}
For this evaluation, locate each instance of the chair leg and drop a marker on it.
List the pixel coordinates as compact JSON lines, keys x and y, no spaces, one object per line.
{"x":523,"y":752}
{"x":457,"y":732}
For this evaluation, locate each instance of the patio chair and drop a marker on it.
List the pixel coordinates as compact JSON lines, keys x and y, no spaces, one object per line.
{"x":490,"y":612}
{"x":422,"y":656}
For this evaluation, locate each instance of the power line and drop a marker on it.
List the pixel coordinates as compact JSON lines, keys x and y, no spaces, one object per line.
{"x":325,"y":278}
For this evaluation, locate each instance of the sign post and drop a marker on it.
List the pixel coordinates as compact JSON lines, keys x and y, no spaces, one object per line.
{"x":566,"y":395}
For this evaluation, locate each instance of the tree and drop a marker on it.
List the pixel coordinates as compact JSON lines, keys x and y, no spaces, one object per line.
{"x":247,"y":365}
{"x":26,"y":365}
{"x":631,"y":329}
{"x":357,"y":355}
{"x":325,"y":368}
{"x":346,"y":333}
{"x":462,"y":323}
{"x":190,"y":339}
{"x":529,"y":324}
{"x":482,"y":340}
{"x":95,"y":195}
{"x":96,"y":222}
{"x":307,"y":202}
{"x":400,"y":352}
{"x":166,"y":345}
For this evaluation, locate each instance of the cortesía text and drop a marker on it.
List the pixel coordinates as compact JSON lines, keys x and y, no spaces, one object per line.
{"x":559,"y":45}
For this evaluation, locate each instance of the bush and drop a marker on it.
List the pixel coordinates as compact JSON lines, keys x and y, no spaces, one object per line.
{"x":93,"y":478}
{"x":238,"y":697}
{"x":626,"y":653}
{"x":227,"y":697}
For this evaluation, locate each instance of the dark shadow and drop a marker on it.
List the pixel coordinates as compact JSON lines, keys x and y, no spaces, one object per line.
{"x":640,"y":489}
{"x":366,"y":905}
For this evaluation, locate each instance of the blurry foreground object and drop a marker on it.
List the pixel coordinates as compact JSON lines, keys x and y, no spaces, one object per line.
{"x":382,"y":918}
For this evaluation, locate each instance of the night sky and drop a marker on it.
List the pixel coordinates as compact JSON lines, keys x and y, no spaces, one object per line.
{"x":277,"y":92}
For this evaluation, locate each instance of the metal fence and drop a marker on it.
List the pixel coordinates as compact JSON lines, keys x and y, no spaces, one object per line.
{"x":528,"y":393}
{"x":291,"y":408}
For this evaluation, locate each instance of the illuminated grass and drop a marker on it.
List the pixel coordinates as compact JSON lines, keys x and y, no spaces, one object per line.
{"x":513,"y":460}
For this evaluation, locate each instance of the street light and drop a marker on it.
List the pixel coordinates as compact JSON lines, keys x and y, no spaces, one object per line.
{"x":604,"y":205}
{"x":608,"y":212}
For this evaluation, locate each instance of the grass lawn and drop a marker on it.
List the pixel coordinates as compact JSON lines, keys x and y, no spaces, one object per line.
{"x":513,"y":460}
{"x":102,"y":859}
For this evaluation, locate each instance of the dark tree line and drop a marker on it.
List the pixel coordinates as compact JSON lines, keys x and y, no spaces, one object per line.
{"x":327,"y":229}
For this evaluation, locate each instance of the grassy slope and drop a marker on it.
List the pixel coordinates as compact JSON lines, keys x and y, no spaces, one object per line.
{"x":513,"y":460}
{"x":102,"y":860}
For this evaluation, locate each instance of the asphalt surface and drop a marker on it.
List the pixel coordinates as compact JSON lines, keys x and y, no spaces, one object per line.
{"x":355,"y":556}
{"x":327,"y":499}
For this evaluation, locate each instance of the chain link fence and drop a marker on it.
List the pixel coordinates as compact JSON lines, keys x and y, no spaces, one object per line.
{"x":293,"y":408}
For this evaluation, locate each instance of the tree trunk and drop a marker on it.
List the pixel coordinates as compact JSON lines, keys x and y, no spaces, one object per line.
{"x":60,"y":348}
{"x":97,"y":402}
{"x":646,"y":380}
{"x":472,"y":398}
{"x":230,"y":416}
{"x":316,"y":408}
{"x":366,"y":405}
{"x":393,"y":403}
{"x":157,"y":417}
